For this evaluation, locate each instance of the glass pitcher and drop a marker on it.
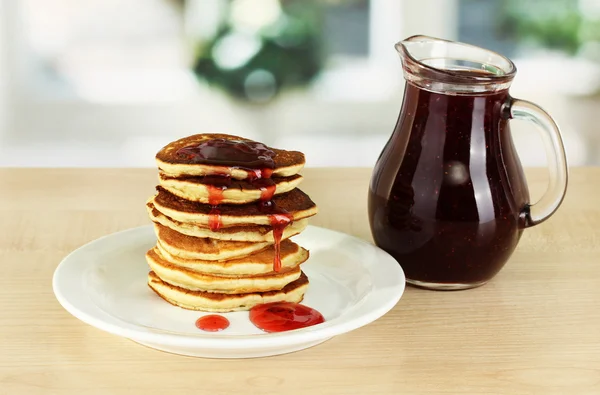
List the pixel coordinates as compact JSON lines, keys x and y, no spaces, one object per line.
{"x":448,"y":198}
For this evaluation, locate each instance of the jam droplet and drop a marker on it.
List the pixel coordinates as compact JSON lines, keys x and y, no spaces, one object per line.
{"x":255,"y":174}
{"x":267,"y":188}
{"x":212,"y":323}
{"x":214,"y":219}
{"x":284,"y":316}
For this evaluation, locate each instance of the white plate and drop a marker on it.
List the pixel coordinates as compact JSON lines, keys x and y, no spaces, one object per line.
{"x":103,"y":283}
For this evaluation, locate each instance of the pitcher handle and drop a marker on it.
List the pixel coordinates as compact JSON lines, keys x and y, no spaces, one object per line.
{"x":557,"y":161}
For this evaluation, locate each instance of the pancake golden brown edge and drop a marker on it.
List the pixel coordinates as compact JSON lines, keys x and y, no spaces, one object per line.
{"x":250,"y":233}
{"x":258,"y":263}
{"x":195,"y":281}
{"x":197,"y":189}
{"x":295,"y":202}
{"x":189,"y":247}
{"x":222,"y":303}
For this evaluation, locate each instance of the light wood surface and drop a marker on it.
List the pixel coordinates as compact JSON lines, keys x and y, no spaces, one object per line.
{"x":535,"y":329}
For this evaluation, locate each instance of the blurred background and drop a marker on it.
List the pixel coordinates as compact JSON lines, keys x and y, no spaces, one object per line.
{"x":108,"y":82}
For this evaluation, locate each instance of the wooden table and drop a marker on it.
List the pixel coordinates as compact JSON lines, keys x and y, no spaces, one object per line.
{"x":535,"y":329}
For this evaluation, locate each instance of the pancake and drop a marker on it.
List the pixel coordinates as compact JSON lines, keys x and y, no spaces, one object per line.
{"x":198,"y":189}
{"x":261,"y":262}
{"x":295,"y":202}
{"x":195,"y":281}
{"x":221,"y":303}
{"x":286,"y":163}
{"x":255,"y":233}
{"x":189,"y":247}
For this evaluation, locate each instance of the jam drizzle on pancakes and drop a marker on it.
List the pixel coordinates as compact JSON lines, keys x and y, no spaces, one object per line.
{"x":254,"y":158}
{"x":279,"y":219}
{"x":216,"y":184}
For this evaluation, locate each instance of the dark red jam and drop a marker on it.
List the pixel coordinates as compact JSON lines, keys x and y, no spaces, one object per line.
{"x":267,"y":188}
{"x":216,"y":184}
{"x":230,"y":153}
{"x":214,"y":219}
{"x":284,"y":316}
{"x":279,"y":222}
{"x":447,"y":191}
{"x":255,"y":174}
{"x":212,"y":323}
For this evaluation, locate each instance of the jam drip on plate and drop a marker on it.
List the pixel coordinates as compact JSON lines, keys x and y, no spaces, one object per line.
{"x":284,"y":316}
{"x":212,"y":323}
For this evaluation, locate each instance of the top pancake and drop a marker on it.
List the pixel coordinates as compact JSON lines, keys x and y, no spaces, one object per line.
{"x":287,"y":163}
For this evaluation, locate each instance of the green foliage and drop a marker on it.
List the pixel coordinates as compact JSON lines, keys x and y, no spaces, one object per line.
{"x":289,"y":54}
{"x":555,"y":24}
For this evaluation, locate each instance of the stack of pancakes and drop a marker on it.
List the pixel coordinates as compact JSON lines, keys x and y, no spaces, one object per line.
{"x":219,"y":255}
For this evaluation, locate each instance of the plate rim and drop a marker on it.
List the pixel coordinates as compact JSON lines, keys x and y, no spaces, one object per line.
{"x":117,"y":326}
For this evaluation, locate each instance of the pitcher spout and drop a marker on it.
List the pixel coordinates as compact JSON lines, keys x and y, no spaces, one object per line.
{"x":442,"y":65}
{"x":414,"y":46}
